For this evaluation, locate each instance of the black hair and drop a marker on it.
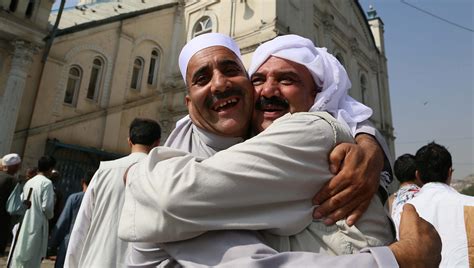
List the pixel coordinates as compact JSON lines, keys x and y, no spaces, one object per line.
{"x":433,"y":162}
{"x":46,"y":163}
{"x":144,"y":131}
{"x":405,"y":168}
{"x":88,"y":177}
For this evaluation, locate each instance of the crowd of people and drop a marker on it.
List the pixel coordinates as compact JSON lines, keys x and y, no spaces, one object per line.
{"x":274,"y":166}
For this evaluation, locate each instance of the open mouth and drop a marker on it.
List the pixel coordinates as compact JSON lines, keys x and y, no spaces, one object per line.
{"x":223,"y":105}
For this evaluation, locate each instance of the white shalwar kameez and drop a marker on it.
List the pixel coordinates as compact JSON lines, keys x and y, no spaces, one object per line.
{"x":33,"y":238}
{"x":257,"y":203}
{"x":94,"y":242}
{"x":442,"y":206}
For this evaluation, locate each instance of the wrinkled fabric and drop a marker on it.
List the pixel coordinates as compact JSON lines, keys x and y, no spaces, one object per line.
{"x":187,"y":197}
{"x":33,"y":237}
{"x":94,"y":241}
{"x":442,"y":206}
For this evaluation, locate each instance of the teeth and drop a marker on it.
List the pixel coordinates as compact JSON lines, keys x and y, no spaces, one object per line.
{"x":227,"y":102}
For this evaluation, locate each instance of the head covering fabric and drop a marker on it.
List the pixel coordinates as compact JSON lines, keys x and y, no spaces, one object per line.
{"x":11,"y":159}
{"x":327,"y":73}
{"x":204,"y":41}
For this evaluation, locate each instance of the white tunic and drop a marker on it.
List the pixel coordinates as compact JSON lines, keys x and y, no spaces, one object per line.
{"x":33,"y":238}
{"x":94,"y":241}
{"x":241,"y":188}
{"x":442,"y":206}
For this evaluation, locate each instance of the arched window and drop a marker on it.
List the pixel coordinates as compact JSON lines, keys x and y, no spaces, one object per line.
{"x":13,"y":5}
{"x":30,"y":8}
{"x":137,"y":73}
{"x":202,"y":26}
{"x":73,"y":84}
{"x":154,"y":66}
{"x":95,"y":79}
{"x":363,"y":89}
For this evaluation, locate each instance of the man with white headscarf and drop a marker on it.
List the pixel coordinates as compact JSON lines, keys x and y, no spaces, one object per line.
{"x":250,"y":198}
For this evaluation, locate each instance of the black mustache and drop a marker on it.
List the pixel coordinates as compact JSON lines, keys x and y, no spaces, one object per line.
{"x":274,"y":101}
{"x":210,"y":100}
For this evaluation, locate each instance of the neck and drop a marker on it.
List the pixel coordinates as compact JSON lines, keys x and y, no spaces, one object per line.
{"x":140,"y":148}
{"x":407,"y":183}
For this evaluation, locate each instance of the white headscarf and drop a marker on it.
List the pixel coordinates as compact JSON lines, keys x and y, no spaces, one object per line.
{"x":201,"y":42}
{"x":186,"y":136}
{"x":327,"y":73}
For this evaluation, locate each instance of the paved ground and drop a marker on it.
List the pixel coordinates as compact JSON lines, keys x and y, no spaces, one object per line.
{"x":44,"y":264}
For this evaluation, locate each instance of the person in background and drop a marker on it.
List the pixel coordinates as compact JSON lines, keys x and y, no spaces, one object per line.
{"x":94,"y":241}
{"x":33,"y":236}
{"x":450,"y":212}
{"x":11,"y":163}
{"x":404,"y":169}
{"x":62,"y":230}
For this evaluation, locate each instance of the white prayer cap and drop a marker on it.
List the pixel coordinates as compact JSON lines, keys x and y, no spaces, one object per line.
{"x":204,"y":41}
{"x":326,"y":71}
{"x":10,"y":160}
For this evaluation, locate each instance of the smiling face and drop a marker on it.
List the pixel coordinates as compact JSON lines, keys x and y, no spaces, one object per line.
{"x":281,"y":86}
{"x":220,"y":95}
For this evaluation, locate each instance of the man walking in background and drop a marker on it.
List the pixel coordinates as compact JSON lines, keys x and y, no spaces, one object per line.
{"x":10,"y":165}
{"x":94,"y":241}
{"x":33,"y":237}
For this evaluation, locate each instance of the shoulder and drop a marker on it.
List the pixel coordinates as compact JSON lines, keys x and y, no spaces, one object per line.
{"x":315,"y":123}
{"x":123,"y":162}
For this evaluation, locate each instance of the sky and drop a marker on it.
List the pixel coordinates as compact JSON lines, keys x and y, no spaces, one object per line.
{"x":431,"y":75}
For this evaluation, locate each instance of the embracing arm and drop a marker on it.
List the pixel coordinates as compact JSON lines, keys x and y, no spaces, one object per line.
{"x":265,"y":183}
{"x":359,"y":172}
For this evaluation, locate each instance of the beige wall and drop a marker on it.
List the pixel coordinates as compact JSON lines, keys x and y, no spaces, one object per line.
{"x":338,"y":25}
{"x":101,"y":124}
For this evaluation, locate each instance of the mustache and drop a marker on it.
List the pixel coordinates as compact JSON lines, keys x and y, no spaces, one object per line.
{"x":273,"y":101}
{"x":234,"y":91}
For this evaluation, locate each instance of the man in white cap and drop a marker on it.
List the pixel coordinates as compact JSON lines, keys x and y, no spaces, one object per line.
{"x":33,"y":236}
{"x":256,"y":183}
{"x":10,"y":165}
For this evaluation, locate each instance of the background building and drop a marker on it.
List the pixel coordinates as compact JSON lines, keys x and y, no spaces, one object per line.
{"x":112,"y":61}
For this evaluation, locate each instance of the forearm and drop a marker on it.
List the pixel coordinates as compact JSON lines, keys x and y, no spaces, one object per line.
{"x":244,"y":249}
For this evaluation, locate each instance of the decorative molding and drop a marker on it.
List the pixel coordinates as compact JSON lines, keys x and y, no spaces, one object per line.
{"x":69,"y":56}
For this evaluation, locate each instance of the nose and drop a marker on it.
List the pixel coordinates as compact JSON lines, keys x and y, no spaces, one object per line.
{"x":219,"y":82}
{"x":268,"y":89}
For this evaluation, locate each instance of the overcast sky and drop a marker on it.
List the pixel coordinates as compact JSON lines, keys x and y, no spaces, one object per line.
{"x":431,"y":75}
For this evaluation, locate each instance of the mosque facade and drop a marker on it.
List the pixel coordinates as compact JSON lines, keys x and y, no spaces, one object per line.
{"x":112,"y":61}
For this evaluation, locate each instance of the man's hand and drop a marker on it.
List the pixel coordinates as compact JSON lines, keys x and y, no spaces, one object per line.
{"x":27,"y":204}
{"x":420,"y":244}
{"x":349,"y":192}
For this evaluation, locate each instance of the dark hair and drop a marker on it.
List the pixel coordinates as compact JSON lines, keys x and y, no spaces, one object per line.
{"x":433,"y":162}
{"x":144,"y":131}
{"x":88,"y":177}
{"x":46,"y":163}
{"x":405,"y":168}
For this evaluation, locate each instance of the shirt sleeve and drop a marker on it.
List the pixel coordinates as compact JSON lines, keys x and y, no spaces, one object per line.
{"x":47,"y":200}
{"x":245,"y":249}
{"x":81,"y":226}
{"x":61,"y":228}
{"x":265,"y":183}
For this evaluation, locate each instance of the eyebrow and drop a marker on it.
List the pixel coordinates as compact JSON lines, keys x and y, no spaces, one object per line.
{"x":200,"y":71}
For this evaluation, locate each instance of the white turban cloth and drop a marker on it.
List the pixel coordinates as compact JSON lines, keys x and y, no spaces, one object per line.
{"x":204,"y":41}
{"x":326,"y":71}
{"x":11,"y":159}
